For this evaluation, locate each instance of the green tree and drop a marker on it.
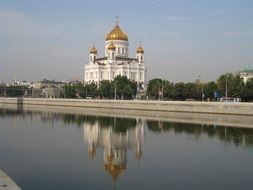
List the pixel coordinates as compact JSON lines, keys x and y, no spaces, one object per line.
{"x":247,"y":91}
{"x":104,"y":89}
{"x":168,"y":90}
{"x":180,"y":93}
{"x":234,"y":85}
{"x":69,"y":91}
{"x":154,"y":86}
{"x":237,"y":86}
{"x":209,"y":89}
{"x":125,"y":89}
{"x":190,"y":90}
{"x":223,"y":81}
{"x":91,"y":90}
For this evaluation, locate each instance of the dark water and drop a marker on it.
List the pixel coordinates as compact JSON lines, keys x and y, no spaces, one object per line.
{"x":46,"y":150}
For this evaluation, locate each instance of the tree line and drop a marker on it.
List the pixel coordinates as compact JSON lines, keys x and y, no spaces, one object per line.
{"x":157,"y":89}
{"x":119,"y":88}
{"x":232,"y":84}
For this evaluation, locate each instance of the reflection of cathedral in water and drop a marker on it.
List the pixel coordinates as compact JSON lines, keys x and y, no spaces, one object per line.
{"x":115,"y":142}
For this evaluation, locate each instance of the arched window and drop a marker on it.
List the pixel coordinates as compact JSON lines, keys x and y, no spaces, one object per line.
{"x":141,"y":58}
{"x":112,"y":54}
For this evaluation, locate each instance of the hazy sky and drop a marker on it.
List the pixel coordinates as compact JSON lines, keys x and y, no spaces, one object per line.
{"x":182,"y":39}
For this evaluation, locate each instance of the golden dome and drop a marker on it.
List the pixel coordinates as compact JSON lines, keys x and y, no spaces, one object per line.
{"x":116,"y":34}
{"x":140,"y":50}
{"x":112,"y":46}
{"x":93,"y":50}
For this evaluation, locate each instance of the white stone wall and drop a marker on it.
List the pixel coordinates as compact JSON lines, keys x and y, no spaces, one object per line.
{"x":164,"y":106}
{"x":96,"y":73}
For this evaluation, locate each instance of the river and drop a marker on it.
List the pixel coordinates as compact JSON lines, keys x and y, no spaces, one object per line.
{"x":46,"y":150}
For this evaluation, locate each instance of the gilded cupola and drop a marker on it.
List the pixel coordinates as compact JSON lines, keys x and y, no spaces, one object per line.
{"x":93,"y":50}
{"x":116,"y":34}
{"x":112,"y":46}
{"x":140,"y":49}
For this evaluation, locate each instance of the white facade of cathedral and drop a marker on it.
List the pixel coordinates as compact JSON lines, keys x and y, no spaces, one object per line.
{"x":115,"y":61}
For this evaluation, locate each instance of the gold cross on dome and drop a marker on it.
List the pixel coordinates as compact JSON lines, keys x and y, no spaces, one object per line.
{"x":117,"y":20}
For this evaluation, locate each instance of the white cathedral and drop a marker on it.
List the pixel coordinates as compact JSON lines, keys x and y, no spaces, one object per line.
{"x":115,"y":61}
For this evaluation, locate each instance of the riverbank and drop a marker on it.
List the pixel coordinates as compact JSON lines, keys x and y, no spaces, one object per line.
{"x":6,"y":183}
{"x":174,"y":117}
{"x":228,"y":108}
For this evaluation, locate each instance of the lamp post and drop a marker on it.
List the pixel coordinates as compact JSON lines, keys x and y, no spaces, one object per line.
{"x":202,"y":90}
{"x":85,"y":91}
{"x":226,"y":92}
{"x":5,"y":92}
{"x":162,"y":90}
{"x":115,"y":91}
{"x":158,"y":89}
{"x":202,"y":93}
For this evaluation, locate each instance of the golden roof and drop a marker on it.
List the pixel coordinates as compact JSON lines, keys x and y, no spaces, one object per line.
{"x":140,"y":50}
{"x":116,"y":34}
{"x":112,"y":46}
{"x":93,"y":50}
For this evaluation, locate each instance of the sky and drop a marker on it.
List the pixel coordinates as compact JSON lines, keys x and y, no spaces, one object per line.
{"x":183,"y":39}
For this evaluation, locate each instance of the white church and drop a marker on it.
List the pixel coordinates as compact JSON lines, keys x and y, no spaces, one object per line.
{"x":116,"y":60}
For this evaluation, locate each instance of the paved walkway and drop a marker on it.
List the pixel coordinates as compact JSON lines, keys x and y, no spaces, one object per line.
{"x":6,"y":183}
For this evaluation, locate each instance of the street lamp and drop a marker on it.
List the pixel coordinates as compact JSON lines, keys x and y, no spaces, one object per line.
{"x":162,"y":90}
{"x":202,"y":91}
{"x":226,"y":93}
{"x":85,"y":91}
{"x":115,"y":91}
{"x":158,"y":89}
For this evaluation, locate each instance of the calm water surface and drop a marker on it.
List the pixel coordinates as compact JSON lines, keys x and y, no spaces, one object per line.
{"x":47,"y":150}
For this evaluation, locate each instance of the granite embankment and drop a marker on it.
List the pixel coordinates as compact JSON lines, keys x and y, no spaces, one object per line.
{"x":6,"y":183}
{"x":229,"y":108}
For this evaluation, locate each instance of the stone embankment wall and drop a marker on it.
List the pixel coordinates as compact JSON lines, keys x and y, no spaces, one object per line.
{"x":164,"y":106}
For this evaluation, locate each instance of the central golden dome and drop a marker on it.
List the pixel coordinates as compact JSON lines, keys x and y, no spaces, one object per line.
{"x":116,"y":34}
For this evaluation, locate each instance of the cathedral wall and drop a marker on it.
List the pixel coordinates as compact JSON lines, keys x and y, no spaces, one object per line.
{"x":121,"y":47}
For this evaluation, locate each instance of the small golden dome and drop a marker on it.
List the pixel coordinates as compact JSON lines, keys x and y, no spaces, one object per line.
{"x":116,"y":34}
{"x":140,"y":50}
{"x":112,"y":46}
{"x":93,"y":50}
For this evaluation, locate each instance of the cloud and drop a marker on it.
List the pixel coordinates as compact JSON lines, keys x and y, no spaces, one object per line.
{"x":241,"y":33}
{"x":179,"y":18}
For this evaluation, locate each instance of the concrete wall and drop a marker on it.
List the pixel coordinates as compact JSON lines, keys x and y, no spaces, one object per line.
{"x":164,"y":106}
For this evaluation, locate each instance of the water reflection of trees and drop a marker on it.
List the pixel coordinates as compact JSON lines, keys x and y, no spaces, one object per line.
{"x":237,"y":136}
{"x":118,"y":124}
